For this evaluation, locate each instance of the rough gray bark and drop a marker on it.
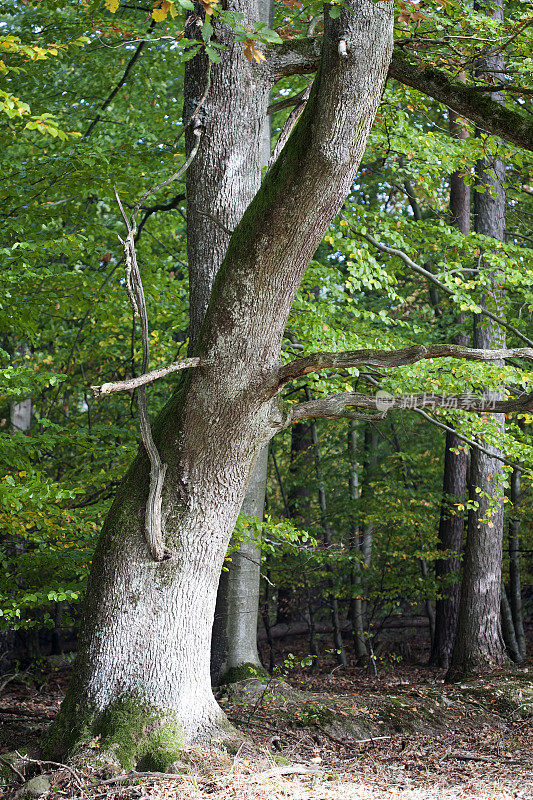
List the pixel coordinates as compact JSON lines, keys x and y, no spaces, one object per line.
{"x":479,"y":645}
{"x":142,"y":680}
{"x":234,"y":637}
{"x":515,"y":589}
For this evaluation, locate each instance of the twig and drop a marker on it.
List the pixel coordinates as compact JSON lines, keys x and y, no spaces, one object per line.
{"x":120,"y":84}
{"x":147,"y":377}
{"x":133,"y":775}
{"x":12,"y":766}
{"x":393,"y":251}
{"x":10,"y":678}
{"x":198,"y":133}
{"x":57,"y":764}
{"x":290,"y":122}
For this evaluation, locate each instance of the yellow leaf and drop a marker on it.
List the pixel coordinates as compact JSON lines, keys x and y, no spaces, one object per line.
{"x":159,"y":15}
{"x":112,"y":5}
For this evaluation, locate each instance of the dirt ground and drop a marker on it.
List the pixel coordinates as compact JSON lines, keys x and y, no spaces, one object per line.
{"x":352,"y":736}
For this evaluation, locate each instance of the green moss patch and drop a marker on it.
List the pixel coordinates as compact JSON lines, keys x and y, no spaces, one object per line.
{"x":138,"y":736}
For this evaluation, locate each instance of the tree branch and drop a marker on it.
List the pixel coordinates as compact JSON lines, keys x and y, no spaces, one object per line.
{"x":120,"y":84}
{"x":147,"y":377}
{"x":391,"y":358}
{"x":302,"y":56}
{"x":467,"y":101}
{"x":340,"y":406}
{"x":393,"y":251}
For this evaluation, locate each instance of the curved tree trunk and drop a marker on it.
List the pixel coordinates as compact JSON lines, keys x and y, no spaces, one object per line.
{"x":142,"y":680}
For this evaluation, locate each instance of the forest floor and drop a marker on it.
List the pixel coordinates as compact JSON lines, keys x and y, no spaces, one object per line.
{"x":347,"y":736}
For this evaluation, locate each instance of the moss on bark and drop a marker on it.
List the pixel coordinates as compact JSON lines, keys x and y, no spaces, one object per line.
{"x":129,"y":732}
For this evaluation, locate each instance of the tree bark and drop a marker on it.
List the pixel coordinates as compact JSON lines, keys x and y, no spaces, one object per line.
{"x":479,"y":645}
{"x":451,"y":525}
{"x":234,"y":638}
{"x":142,"y":680}
{"x":515,"y":589}
{"x":234,"y":645}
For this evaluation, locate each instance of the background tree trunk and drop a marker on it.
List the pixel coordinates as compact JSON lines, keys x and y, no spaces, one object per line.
{"x":479,"y":644}
{"x":451,"y":525}
{"x":234,"y":647}
{"x":515,"y":589}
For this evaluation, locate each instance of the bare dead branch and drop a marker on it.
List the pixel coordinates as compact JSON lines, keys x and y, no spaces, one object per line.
{"x":142,"y":380}
{"x":153,"y":524}
{"x":392,"y":358}
{"x":290,"y":122}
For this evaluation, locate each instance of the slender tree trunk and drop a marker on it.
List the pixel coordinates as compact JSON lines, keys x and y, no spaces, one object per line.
{"x":515,"y":589}
{"x":479,"y":645}
{"x":451,"y":525}
{"x":234,"y":646}
{"x":508,"y":629}
{"x":327,"y":538}
{"x":356,"y":602}
{"x":299,"y":505}
{"x":447,"y":569}
{"x":142,"y":680}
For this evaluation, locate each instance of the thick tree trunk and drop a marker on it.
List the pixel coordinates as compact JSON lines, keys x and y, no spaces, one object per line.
{"x":234,"y":637}
{"x":142,"y":680}
{"x":479,"y":645}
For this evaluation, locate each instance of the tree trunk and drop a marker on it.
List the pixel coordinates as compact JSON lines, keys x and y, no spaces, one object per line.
{"x":142,"y":680}
{"x":515,"y":589}
{"x":234,"y":646}
{"x":451,"y":529}
{"x":234,"y":637}
{"x":355,"y":538}
{"x":508,"y":630}
{"x":451,"y":525}
{"x":299,"y":507}
{"x":327,"y":536}
{"x":479,"y":645}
